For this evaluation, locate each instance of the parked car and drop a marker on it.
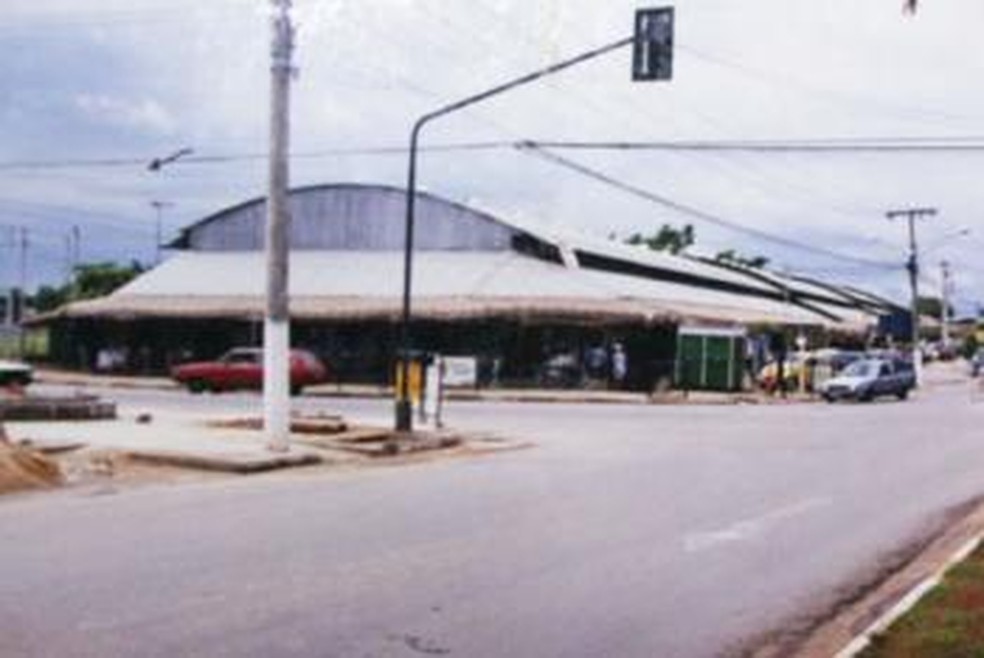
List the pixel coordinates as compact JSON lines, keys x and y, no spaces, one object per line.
{"x":15,"y":373}
{"x":867,"y":379}
{"x":560,"y":371}
{"x":242,"y":368}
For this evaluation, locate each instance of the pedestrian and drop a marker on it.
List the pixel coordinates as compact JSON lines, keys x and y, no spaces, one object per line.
{"x":596,"y":362}
{"x":620,"y":365}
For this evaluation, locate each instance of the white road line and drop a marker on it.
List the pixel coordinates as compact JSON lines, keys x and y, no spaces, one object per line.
{"x":908,"y":602}
{"x":748,"y":529}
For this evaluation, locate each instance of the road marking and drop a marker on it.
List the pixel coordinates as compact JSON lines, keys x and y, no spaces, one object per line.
{"x":748,"y":529}
{"x":909,"y":601}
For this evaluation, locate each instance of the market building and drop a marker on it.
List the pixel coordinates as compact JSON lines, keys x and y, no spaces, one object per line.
{"x":530,"y":306}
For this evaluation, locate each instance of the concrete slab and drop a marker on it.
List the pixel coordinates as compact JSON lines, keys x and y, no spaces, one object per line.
{"x":185,"y":441}
{"x":228,"y":462}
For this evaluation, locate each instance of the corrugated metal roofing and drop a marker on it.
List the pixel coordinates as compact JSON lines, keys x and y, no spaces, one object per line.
{"x":599,"y":280}
{"x":339,"y":284}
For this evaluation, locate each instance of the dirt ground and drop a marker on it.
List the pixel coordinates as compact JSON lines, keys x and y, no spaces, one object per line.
{"x":22,"y":468}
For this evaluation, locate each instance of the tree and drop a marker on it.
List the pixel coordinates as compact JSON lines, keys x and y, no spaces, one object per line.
{"x":48,"y":298}
{"x":731,"y":257}
{"x":100,"y":279}
{"x":668,"y":238}
{"x":933,"y":307}
{"x":89,"y":280}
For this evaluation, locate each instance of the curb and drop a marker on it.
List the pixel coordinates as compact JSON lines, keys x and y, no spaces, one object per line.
{"x":246,"y":464}
{"x":846,"y":625}
{"x":33,"y":408}
{"x":909,"y":601}
{"x":530,"y":396}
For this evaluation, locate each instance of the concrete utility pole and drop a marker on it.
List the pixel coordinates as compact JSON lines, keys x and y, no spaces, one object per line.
{"x":945,"y":310}
{"x":276,"y":329}
{"x":912,"y":214}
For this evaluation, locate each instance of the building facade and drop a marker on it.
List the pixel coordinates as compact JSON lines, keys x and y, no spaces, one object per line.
{"x":530,"y":306}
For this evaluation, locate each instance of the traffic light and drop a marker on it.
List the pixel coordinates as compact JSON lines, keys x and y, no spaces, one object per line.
{"x":652,"y":57}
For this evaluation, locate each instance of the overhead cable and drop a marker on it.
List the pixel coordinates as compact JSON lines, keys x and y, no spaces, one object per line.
{"x":691,"y":211}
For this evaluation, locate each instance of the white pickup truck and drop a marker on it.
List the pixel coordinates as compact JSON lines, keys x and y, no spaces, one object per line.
{"x":15,"y":373}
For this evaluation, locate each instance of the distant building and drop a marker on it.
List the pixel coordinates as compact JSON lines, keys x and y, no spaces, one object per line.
{"x":518,"y":299}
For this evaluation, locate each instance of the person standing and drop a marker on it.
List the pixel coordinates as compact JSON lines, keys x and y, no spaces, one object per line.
{"x":620,"y":366}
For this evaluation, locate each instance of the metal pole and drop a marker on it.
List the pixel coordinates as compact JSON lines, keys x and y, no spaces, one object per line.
{"x":76,"y":247}
{"x":404,"y":415}
{"x":912,"y":214}
{"x":276,"y":334}
{"x":159,"y":207}
{"x":404,"y":408}
{"x":945,"y":310}
{"x":22,"y":296}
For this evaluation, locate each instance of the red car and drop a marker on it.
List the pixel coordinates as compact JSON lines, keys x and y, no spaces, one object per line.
{"x":242,"y":368}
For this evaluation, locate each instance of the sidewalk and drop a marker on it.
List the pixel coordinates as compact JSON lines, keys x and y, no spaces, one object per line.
{"x":339,"y":390}
{"x":172,"y":439}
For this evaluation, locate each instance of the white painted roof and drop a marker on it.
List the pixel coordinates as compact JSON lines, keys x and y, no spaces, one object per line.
{"x":470,"y":279}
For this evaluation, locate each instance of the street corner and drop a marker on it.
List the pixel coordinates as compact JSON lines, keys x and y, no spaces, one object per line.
{"x":381,"y":445}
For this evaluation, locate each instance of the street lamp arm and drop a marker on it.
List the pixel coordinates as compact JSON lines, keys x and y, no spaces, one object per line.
{"x":157,"y":163}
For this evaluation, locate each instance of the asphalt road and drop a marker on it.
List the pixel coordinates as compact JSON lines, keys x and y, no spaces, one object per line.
{"x":627,"y":531}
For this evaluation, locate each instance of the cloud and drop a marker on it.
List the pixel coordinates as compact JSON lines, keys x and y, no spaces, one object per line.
{"x":140,"y":78}
{"x":144,"y":115}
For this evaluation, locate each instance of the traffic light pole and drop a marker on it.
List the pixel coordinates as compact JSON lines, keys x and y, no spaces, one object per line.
{"x":404,"y":410}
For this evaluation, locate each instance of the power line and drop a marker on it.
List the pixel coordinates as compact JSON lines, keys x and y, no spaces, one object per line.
{"x":141,"y":162}
{"x":973,"y":144}
{"x":870,"y":145}
{"x":787,"y":82}
{"x":692,"y":211}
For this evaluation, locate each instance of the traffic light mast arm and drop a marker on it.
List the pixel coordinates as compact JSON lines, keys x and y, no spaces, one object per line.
{"x":403,"y":420}
{"x":653,"y":39}
{"x":522,"y":80}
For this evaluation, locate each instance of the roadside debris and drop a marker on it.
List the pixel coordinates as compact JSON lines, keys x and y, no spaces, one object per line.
{"x":22,"y":468}
{"x":154,"y":447}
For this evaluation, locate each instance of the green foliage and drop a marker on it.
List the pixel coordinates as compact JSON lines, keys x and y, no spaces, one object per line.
{"x":90,"y":280}
{"x":731,"y":257}
{"x":668,"y":238}
{"x":48,"y":298}
{"x":948,"y":623}
{"x":100,"y":279}
{"x":933,"y":307}
{"x":969,"y":347}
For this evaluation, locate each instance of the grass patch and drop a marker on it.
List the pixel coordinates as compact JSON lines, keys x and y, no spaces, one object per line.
{"x":947,"y":623}
{"x":35,"y":344}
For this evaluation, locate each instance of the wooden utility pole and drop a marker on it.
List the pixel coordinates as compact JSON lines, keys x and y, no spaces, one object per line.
{"x":276,"y":330}
{"x":912,"y":214}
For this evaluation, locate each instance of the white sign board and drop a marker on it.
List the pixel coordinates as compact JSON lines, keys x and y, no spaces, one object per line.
{"x":460,"y":371}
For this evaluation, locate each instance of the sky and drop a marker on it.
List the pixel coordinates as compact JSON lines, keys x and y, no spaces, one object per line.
{"x":92,"y":90}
